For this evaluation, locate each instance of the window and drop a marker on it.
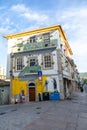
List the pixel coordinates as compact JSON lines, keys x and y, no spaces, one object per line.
{"x":46,"y":37}
{"x":28,"y":41}
{"x":47,"y":60}
{"x":33,"y":61}
{"x":19,"y":63}
{"x":32,"y":39}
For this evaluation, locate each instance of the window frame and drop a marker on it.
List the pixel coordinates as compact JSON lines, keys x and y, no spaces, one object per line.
{"x":51,"y":62}
{"x":22,"y":62}
{"x":32,"y":57}
{"x":32,"y":39}
{"x":46,"y":37}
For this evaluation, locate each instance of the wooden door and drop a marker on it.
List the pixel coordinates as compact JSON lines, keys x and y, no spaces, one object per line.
{"x":31,"y":94}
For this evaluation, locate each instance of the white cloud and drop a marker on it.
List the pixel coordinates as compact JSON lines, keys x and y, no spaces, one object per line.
{"x":74,"y":18}
{"x":74,"y":22}
{"x":69,"y":13}
{"x":29,"y":14}
{"x":6,"y":30}
{"x":35,"y":16}
{"x":7,"y":22}
{"x":19,"y":8}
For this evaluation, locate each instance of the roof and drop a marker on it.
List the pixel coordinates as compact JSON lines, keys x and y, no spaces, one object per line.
{"x":4,"y":83}
{"x":39,"y":30}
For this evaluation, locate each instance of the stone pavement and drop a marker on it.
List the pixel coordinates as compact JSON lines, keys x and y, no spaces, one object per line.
{"x":46,"y":115}
{"x":63,"y":115}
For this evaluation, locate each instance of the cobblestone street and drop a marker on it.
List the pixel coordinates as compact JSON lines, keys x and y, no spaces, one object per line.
{"x":46,"y":115}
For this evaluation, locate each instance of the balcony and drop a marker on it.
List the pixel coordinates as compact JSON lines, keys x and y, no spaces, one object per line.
{"x":34,"y":46}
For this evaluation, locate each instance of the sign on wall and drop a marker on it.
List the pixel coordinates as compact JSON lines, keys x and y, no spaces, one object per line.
{"x":40,"y":75}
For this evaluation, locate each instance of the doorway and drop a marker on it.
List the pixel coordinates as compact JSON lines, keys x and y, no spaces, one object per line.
{"x":32,"y":92}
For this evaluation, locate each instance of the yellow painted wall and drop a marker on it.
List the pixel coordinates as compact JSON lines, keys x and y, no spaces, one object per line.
{"x":40,"y":86}
{"x":18,"y":85}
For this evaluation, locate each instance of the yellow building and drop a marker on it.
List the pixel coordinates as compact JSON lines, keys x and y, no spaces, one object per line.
{"x":35,"y":62}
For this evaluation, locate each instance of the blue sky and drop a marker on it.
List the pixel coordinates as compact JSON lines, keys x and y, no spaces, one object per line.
{"x":21,"y":15}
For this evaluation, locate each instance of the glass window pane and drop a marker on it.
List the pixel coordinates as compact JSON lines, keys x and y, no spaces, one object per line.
{"x":47,"y":61}
{"x":32,"y":39}
{"x":19,"y":63}
{"x":32,"y":62}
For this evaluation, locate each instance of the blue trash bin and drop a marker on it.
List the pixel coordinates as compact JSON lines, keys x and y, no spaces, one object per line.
{"x":54,"y":96}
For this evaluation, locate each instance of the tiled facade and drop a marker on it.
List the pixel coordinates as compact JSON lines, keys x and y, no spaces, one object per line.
{"x":38,"y":63}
